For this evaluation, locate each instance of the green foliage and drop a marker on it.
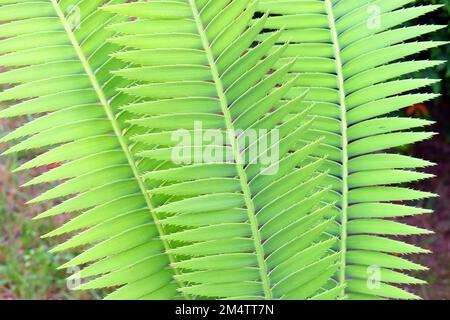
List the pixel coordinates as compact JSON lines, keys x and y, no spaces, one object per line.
{"x":27,"y":271}
{"x":441,"y":16}
{"x":79,"y":126}
{"x":111,"y":91}
{"x":241,"y":224}
{"x":354,"y":73}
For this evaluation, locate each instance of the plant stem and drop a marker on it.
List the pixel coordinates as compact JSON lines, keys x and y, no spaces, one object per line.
{"x":235,"y":146}
{"x":115,"y":125}
{"x":344,"y":144}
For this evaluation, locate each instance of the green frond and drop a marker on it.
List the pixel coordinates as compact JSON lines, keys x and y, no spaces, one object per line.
{"x":59,"y":67}
{"x":227,"y":216}
{"x":351,"y":56}
{"x":225,"y":149}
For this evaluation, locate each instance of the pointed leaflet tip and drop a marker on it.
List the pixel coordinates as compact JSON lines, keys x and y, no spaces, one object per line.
{"x":28,"y":184}
{"x":5,"y":138}
{"x":64,"y":266}
{"x":54,"y":250}
{"x":8,"y":151}
{"x":68,"y":264}
{"x":33,"y":201}
{"x":55,"y":232}
{"x":41,"y":216}
{"x":19,"y":168}
{"x":47,"y":235}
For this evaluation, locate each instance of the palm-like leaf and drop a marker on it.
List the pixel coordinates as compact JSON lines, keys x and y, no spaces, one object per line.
{"x":235,"y":232}
{"x":155,"y":228}
{"x":61,"y":70}
{"x":348,"y":56}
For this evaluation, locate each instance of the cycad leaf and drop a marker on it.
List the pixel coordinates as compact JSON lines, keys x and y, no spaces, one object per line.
{"x":59,"y":65}
{"x":228,"y":215}
{"x":196,"y":145}
{"x":352,"y":61}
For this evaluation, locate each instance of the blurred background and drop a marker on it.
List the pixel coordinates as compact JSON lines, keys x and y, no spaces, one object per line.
{"x":436,"y":150}
{"x":28,"y":271}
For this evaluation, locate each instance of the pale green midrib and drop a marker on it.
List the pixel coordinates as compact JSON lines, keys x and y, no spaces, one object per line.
{"x":116,"y":128}
{"x":263,"y":270}
{"x":344,"y":160}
